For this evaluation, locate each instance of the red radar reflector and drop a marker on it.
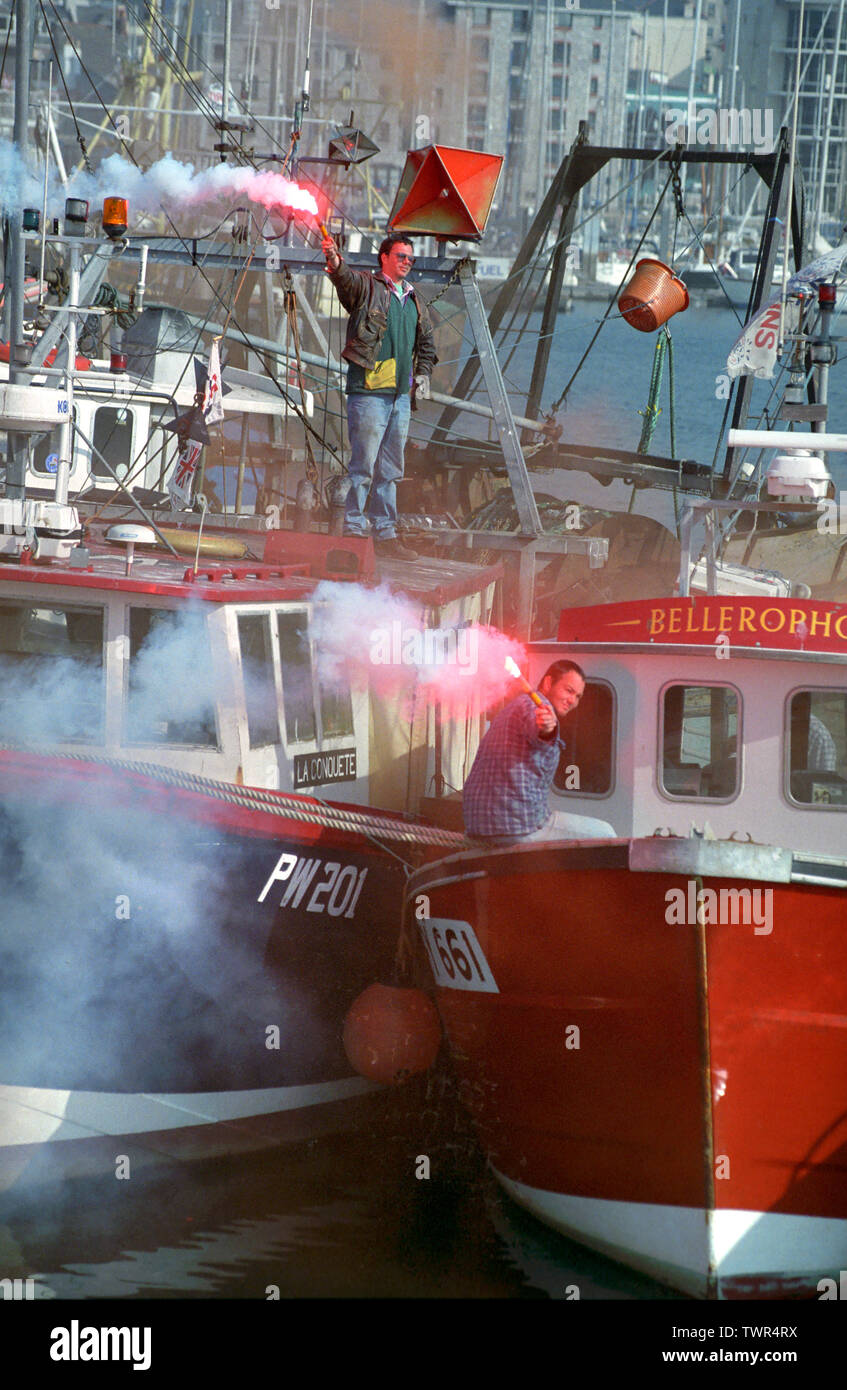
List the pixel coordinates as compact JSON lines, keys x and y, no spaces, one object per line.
{"x":446,"y":192}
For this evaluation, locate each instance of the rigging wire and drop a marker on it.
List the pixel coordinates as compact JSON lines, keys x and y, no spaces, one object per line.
{"x":6,"y":44}
{"x":175,"y":64}
{"x":79,"y":135}
{"x":138,"y":463}
{"x":76,"y":52}
{"x":557,"y":404}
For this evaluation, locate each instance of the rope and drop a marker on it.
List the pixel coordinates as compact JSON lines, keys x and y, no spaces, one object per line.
{"x":285,"y":804}
{"x":671,"y":394}
{"x":653,"y":410}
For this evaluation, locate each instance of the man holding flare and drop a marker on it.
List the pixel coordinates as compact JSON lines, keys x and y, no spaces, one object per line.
{"x":505,"y":796}
{"x":390,"y":352}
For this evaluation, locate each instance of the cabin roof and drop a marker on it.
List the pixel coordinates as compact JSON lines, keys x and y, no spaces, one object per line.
{"x":292,"y":566}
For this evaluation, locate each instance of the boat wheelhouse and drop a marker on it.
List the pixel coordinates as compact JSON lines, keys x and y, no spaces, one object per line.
{"x":652,"y":1027}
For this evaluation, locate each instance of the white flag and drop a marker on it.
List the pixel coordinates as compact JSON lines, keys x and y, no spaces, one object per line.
{"x":755,"y":350}
{"x":213,"y":400}
{"x":181,"y":481}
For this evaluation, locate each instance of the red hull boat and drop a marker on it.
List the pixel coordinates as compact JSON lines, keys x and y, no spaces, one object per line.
{"x":652,"y":1030}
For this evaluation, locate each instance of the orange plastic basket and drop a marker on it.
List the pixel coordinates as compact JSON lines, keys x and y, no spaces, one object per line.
{"x":653,"y":295}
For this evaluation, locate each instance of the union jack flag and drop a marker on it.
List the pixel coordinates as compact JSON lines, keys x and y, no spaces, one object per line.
{"x":182,"y":480}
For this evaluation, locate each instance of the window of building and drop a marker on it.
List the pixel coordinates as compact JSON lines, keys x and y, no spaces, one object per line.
{"x":516,"y":85}
{"x":586,"y":767}
{"x":595,"y":53}
{"x":111,"y":437}
{"x":476,"y":116}
{"x":171,"y":695}
{"x":51,"y":673}
{"x":559,"y":51}
{"x":518,"y":55}
{"x":257,"y":668}
{"x":479,"y":50}
{"x":598,"y":21}
{"x":557,"y":88}
{"x":593,"y":87}
{"x":298,"y":695}
{"x":817,"y":748}
{"x":567,"y":55}
{"x":520,"y":21}
{"x":700,"y":742}
{"x":478,"y":83}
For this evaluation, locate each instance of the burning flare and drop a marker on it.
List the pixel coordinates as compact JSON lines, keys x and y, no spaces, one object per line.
{"x":514,"y":670}
{"x":167,"y":183}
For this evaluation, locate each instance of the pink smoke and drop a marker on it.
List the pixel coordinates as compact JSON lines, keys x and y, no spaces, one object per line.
{"x":171,"y":184}
{"x":375,"y":638}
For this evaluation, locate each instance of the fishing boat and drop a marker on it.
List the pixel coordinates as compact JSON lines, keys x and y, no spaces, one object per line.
{"x":649,"y":1019}
{"x":650,"y":1028}
{"x":187,"y":919}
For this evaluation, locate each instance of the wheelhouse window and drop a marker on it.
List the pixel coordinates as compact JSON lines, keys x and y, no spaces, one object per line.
{"x":112,"y":438}
{"x":298,"y":696}
{"x":586,"y":767}
{"x":51,"y":673}
{"x":817,"y":748}
{"x":170,"y":698}
{"x":700,"y":742}
{"x":257,"y":665}
{"x":336,"y":709}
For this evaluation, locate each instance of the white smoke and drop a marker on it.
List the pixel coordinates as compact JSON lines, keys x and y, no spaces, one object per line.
{"x":132,"y":949}
{"x":166,"y":184}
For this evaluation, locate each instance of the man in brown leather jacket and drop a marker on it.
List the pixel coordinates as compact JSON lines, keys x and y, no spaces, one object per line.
{"x":390,"y":353}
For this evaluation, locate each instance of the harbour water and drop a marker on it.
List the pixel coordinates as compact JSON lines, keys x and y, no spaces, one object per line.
{"x":350,"y":1216}
{"x":605,"y":401}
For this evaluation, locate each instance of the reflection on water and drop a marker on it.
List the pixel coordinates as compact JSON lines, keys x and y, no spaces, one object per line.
{"x":339,"y":1218}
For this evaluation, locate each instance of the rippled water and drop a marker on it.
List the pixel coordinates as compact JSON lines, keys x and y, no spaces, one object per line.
{"x":338,"y":1218}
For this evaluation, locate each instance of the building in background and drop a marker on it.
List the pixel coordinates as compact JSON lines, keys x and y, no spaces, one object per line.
{"x":768,"y":42}
{"x":514,"y":77}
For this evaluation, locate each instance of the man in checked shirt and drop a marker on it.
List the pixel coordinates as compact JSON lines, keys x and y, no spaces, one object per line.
{"x":505,"y":796}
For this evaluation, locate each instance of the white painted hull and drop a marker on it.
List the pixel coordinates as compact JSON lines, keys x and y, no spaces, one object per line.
{"x":65,"y":1133}
{"x":718,"y":1254}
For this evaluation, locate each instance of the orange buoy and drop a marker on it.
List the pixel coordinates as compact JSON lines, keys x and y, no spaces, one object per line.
{"x":653,"y":295}
{"x":391,"y":1033}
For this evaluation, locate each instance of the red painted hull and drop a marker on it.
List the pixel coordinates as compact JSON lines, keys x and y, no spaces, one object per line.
{"x":631,"y":1060}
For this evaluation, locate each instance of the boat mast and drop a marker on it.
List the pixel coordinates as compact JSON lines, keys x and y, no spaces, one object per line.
{"x":227,"y":56}
{"x":16,"y":456}
{"x":827,"y":126}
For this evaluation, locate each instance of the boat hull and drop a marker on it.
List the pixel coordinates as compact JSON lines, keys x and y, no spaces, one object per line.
{"x":668,"y":1091}
{"x":176,"y":965}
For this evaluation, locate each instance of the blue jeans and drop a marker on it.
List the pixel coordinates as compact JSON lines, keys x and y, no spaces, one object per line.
{"x":377,"y":426}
